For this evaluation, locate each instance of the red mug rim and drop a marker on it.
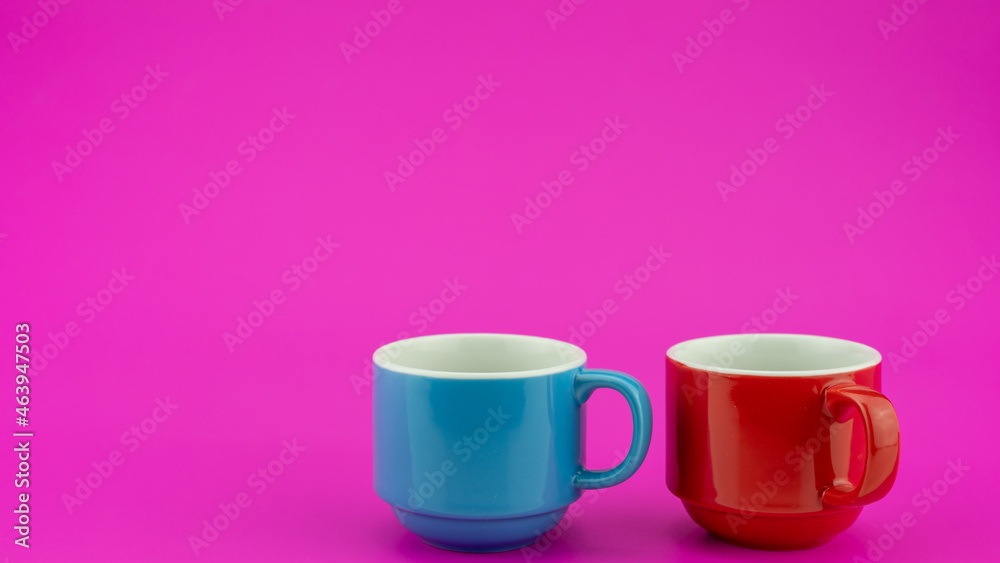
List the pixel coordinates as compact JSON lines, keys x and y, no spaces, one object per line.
{"x":819,"y":350}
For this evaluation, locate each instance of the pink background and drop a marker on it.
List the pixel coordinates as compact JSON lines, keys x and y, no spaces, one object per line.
{"x":301,"y":375}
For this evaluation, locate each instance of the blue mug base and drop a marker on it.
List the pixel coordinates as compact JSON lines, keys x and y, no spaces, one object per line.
{"x":479,"y":535}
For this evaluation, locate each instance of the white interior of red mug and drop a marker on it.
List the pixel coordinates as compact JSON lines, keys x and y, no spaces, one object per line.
{"x":774,"y":354}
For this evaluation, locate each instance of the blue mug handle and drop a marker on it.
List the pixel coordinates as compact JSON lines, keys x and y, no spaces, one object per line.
{"x":588,"y":381}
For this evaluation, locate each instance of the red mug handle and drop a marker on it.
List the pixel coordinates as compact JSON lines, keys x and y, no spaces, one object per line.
{"x":881,"y":443}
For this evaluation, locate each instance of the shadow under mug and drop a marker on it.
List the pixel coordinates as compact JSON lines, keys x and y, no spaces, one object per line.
{"x":762,"y":443}
{"x":478,"y":438}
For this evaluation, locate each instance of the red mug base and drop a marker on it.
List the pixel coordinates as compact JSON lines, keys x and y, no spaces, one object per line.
{"x":773,"y":532}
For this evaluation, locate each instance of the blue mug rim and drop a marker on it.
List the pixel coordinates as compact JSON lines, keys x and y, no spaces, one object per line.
{"x":576,"y":357}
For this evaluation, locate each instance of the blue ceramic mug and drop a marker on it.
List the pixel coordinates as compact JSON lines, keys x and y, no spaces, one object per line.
{"x":478,"y":439}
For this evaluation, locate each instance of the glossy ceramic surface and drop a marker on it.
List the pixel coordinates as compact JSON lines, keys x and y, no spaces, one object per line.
{"x":481,"y":460}
{"x":780,"y":459}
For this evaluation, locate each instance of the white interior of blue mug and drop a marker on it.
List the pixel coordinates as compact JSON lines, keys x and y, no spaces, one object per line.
{"x":774,"y":354}
{"x":479,"y":356}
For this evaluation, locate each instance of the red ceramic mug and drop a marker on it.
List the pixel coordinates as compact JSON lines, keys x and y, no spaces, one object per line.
{"x":776,"y":441}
